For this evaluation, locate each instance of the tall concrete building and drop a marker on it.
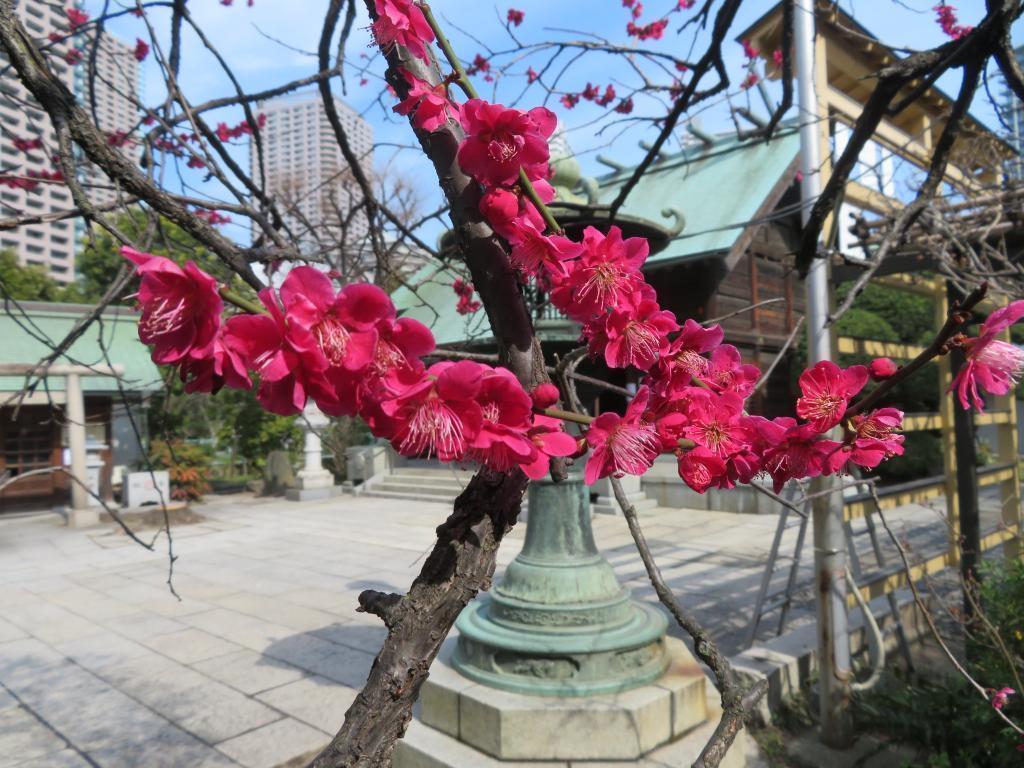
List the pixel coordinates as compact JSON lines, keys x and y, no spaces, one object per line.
{"x":113,"y":104}
{"x":308,"y":176}
{"x":28,"y":142}
{"x":49,"y":245}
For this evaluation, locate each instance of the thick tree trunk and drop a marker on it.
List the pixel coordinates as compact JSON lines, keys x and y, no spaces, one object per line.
{"x":460,"y":565}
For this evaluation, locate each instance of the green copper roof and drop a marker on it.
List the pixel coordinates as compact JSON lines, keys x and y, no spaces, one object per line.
{"x":29,"y":329}
{"x":717,"y":188}
{"x":428,"y":297}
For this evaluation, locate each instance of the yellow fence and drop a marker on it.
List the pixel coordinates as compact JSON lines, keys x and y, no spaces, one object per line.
{"x":1001,"y":412}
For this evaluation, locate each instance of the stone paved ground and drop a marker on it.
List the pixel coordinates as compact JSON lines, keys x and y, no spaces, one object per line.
{"x":256,"y":664}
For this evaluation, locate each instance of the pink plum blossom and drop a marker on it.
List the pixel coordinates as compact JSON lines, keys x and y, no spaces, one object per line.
{"x":501,"y":141}
{"x":827,"y":390}
{"x":620,"y":445}
{"x":402,"y":22}
{"x":429,"y":105}
{"x":993,"y":364}
{"x":181,"y":306}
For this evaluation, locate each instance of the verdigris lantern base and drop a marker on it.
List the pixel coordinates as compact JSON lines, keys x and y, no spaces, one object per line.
{"x":559,"y":623}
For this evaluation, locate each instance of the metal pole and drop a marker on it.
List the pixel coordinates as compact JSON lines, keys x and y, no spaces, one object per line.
{"x":829,"y":541}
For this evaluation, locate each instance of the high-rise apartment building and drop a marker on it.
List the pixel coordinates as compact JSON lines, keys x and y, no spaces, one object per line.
{"x":307,"y":175}
{"x":112,"y":103}
{"x":28,"y":143}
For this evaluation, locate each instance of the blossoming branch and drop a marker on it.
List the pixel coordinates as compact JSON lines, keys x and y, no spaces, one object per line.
{"x":346,"y":350}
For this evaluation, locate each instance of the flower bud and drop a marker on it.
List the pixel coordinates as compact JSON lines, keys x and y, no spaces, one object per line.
{"x":882,"y":368}
{"x":545,"y":395}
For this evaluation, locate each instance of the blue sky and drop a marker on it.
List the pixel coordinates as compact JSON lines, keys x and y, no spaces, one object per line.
{"x":272,"y":43}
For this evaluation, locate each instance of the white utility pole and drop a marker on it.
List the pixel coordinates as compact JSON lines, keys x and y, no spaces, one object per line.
{"x":829,"y":539}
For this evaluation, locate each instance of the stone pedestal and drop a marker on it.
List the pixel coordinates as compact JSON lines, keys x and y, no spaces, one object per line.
{"x":606,"y":503}
{"x":463,"y":724}
{"x":313,"y":481}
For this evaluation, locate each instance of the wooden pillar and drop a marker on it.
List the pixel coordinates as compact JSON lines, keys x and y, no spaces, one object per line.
{"x":966,"y":483}
{"x":946,"y":416}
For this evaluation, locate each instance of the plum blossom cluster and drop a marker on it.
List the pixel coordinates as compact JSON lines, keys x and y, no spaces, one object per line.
{"x":466,"y":305}
{"x":691,"y":399}
{"x":347,"y":351}
{"x":591,"y":93}
{"x":946,"y":17}
{"x":214,"y":218}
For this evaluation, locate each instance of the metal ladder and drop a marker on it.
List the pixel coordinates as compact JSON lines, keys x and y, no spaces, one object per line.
{"x":871,"y":529}
{"x":766,"y":603}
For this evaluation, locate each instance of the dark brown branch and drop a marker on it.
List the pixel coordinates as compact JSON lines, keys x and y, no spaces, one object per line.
{"x":712,"y":59}
{"x":355,"y":164}
{"x":460,"y":565}
{"x":955,"y":320}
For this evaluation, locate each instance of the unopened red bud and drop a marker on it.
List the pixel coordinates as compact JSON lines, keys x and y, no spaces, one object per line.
{"x":882,"y":368}
{"x":545,"y":395}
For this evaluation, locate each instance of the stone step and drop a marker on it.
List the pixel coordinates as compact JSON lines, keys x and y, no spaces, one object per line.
{"x":433,"y":472}
{"x":410,"y":496}
{"x":609,"y":506}
{"x":390,"y":486}
{"x":420,"y":481}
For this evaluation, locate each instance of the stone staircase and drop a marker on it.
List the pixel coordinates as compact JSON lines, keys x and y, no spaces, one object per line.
{"x":439,"y":484}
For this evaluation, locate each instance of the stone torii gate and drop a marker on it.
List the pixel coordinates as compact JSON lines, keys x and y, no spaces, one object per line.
{"x":81,"y":514}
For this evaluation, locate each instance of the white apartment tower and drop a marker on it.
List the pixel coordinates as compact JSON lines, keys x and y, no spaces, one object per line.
{"x":307,"y":175}
{"x":52,"y":245}
{"x":113,"y":107}
{"x":49,"y":245}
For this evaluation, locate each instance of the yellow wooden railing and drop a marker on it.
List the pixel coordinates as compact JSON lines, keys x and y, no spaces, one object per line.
{"x":1001,"y":413}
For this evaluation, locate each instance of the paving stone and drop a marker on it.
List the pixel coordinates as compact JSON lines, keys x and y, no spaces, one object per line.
{"x":23,"y":737}
{"x":97,"y":719}
{"x":96,"y":651}
{"x":316,"y":701}
{"x":191,"y":645}
{"x":368,"y":637}
{"x":10,"y":632}
{"x":67,"y":758}
{"x":246,"y":631}
{"x":249,"y":672}
{"x":50,"y":623}
{"x":7,"y":701}
{"x":277,"y":611}
{"x":340,"y":663}
{"x":274,"y":744}
{"x":143,"y":624}
{"x":210,"y":710}
{"x":169,"y":748}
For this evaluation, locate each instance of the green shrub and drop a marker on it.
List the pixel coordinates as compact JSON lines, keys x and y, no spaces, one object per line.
{"x":187,"y":465}
{"x":947,"y":718}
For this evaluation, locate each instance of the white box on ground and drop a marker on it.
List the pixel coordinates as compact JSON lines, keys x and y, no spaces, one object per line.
{"x":147,"y":488}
